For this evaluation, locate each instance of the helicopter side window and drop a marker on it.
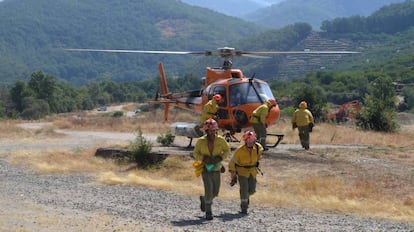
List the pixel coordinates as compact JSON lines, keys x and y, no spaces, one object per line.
{"x":236,"y":95}
{"x":264,"y":91}
{"x":255,"y":93}
{"x":252,"y":97}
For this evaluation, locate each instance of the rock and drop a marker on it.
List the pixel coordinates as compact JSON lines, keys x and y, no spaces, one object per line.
{"x":113,"y":153}
{"x":117,"y":153}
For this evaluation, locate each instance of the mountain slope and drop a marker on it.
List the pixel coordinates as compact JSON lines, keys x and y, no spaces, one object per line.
{"x":313,"y":11}
{"x":232,"y":7}
{"x":33,"y":31}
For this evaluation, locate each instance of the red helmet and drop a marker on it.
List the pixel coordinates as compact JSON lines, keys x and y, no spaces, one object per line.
{"x":210,"y":124}
{"x":271,"y":102}
{"x":249,"y":135}
{"x":217,"y":97}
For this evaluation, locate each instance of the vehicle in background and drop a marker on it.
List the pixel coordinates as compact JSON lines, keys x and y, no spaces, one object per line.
{"x":346,"y":112}
{"x":102,"y":108}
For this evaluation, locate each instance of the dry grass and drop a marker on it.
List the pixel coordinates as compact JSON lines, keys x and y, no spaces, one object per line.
{"x":373,"y":182}
{"x":344,"y":134}
{"x":153,"y":121}
{"x":63,"y":161}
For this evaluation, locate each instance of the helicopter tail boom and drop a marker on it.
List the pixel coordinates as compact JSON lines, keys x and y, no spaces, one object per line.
{"x":163,"y":80}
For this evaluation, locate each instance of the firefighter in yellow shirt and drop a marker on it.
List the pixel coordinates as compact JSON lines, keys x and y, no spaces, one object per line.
{"x":258,"y":120}
{"x":210,"y":150}
{"x":303,"y":120}
{"x":244,"y":165}
{"x":210,"y":108}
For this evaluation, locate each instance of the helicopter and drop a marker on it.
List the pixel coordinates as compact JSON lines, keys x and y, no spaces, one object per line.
{"x":241,"y":95}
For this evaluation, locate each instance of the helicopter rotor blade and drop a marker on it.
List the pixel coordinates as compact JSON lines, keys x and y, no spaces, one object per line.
{"x":225,"y":52}
{"x":138,"y":51}
{"x":255,"y":56}
{"x":300,"y":52}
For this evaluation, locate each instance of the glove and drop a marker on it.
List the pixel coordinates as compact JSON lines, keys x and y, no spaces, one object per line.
{"x":310,"y":127}
{"x":294,"y":125}
{"x":207,"y":160}
{"x":257,"y":164}
{"x":217,"y":159}
{"x":233,"y":179}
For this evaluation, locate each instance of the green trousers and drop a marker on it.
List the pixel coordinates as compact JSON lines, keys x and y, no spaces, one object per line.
{"x":211,"y":181}
{"x":260,"y":130}
{"x":247,"y":188}
{"x":304,"y":136}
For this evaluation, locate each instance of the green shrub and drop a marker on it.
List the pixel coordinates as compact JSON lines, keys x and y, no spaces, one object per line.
{"x":141,"y":150}
{"x":379,"y":111}
{"x":166,"y":139}
{"x":117,"y":114}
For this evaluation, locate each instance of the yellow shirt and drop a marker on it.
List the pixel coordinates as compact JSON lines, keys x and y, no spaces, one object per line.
{"x":302,"y":117}
{"x":260,"y":113}
{"x":243,"y":157}
{"x":209,"y":110}
{"x":221,"y":148}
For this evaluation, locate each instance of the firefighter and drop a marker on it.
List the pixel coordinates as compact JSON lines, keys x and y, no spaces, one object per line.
{"x":258,"y":120}
{"x":210,"y":108}
{"x":303,"y":120}
{"x":244,"y":165}
{"x":210,"y":150}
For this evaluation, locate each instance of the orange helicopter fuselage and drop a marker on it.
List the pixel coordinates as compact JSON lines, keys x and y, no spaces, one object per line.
{"x":241,"y":96}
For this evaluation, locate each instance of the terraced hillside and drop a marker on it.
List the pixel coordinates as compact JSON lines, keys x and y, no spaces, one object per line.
{"x":299,"y":65}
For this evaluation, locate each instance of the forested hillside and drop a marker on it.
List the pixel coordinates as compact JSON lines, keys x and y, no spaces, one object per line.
{"x":314,"y":11}
{"x":385,"y":60}
{"x":33,"y":33}
{"x":236,"y":8}
{"x":32,"y":40}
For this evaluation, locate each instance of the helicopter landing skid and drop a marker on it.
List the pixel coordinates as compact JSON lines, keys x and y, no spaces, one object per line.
{"x":230,"y":138}
{"x":279,"y":139}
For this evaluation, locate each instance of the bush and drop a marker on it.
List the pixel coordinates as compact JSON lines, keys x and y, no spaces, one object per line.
{"x":379,"y":114}
{"x":141,"y":150}
{"x":288,"y":112}
{"x":34,"y":108}
{"x":166,"y":139}
{"x":118,"y":114}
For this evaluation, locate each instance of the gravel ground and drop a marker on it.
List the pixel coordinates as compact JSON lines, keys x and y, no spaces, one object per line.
{"x":31,"y":201}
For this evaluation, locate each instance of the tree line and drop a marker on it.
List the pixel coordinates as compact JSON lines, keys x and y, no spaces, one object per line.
{"x":389,"y":19}
{"x":43,"y":95}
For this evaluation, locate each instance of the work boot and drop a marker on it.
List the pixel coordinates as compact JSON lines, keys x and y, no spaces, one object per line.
{"x":244,"y":207}
{"x":209,"y":216}
{"x":202,"y":204}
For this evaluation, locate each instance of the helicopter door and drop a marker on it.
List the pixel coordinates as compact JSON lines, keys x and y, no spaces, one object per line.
{"x":222,"y":113}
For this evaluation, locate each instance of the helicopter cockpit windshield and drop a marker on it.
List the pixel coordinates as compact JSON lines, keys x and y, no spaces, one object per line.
{"x":244,"y":93}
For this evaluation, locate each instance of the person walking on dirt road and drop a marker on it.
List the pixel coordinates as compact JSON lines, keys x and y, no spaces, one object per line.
{"x":258,"y":120}
{"x":210,"y":150}
{"x":303,"y":120}
{"x":244,"y":166}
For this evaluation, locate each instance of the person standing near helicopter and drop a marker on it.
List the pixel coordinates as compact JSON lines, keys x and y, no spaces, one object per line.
{"x":258,"y":120}
{"x":303,"y":120}
{"x":210,"y":108}
{"x":210,"y":150}
{"x":243,"y":165}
